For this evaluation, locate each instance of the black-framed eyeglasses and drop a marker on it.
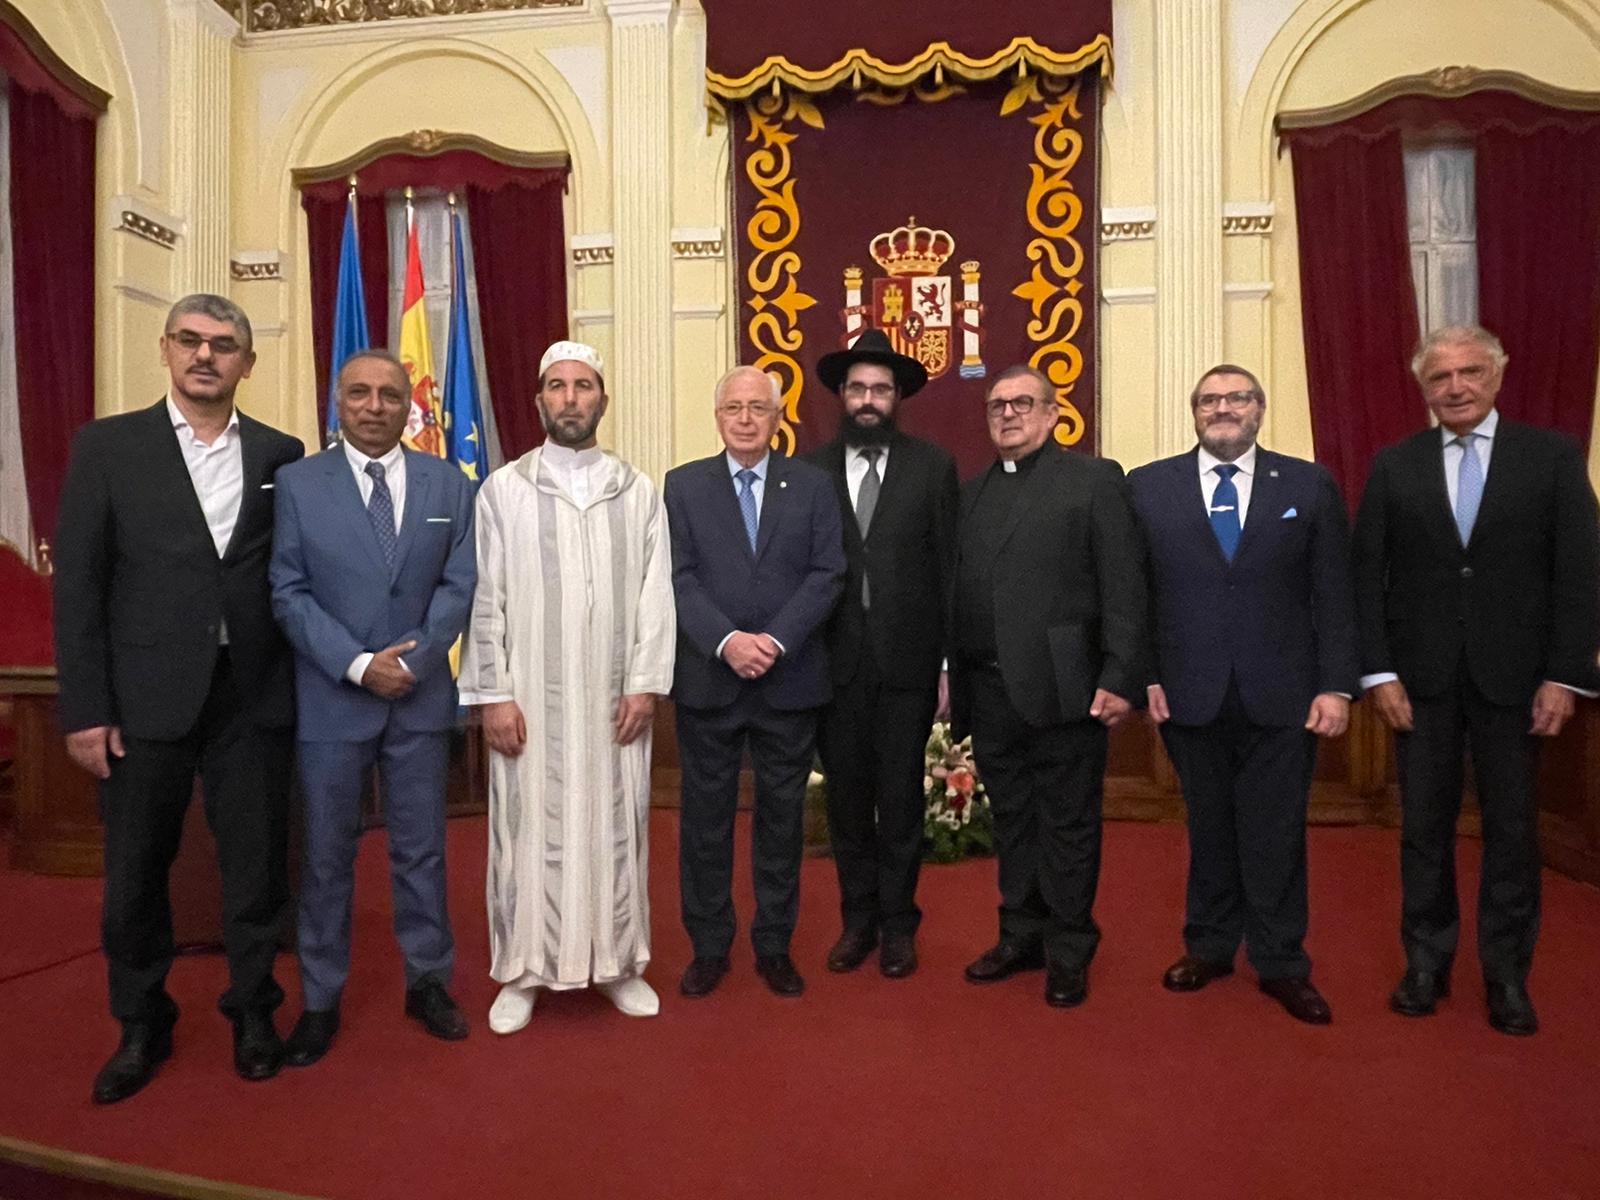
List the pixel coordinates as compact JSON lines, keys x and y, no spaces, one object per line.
{"x":1021,"y":405}
{"x":221,"y":345}
{"x":1207,"y":401}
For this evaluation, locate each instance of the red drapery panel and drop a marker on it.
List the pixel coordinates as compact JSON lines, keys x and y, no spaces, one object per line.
{"x":1539,"y":268}
{"x":324,"y":229}
{"x":52,"y":235}
{"x":23,"y":58}
{"x":1357,"y":303}
{"x":519,"y":254}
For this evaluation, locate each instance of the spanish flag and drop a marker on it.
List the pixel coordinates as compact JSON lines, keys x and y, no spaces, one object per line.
{"x":424,"y":426}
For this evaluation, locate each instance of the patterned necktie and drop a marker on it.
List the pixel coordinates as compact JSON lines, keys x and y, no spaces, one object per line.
{"x":747,"y":504}
{"x":380,"y":508}
{"x":1469,"y":487}
{"x":1225,"y":510}
{"x":866,"y":503}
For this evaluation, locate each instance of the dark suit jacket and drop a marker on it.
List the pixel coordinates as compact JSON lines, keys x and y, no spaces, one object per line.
{"x":336,"y":598}
{"x":786,"y":588}
{"x":140,"y":592}
{"x":1520,"y":600}
{"x":907,"y":555}
{"x":1071,"y":600}
{"x":1280,"y":619}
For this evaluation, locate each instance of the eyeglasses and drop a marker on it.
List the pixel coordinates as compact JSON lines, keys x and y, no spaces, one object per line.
{"x":1212,"y":400}
{"x":190,"y":342}
{"x":1021,"y":405}
{"x":735,"y":411}
{"x":878,"y":391}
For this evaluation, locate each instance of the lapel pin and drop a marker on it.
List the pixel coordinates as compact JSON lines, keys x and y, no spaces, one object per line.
{"x":1274,"y":474}
{"x":783,"y":483}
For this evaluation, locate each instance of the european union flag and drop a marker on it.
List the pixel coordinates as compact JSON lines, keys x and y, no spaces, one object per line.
{"x":463,"y":413}
{"x":349,"y":315}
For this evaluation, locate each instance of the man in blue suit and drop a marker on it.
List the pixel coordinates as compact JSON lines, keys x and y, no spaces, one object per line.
{"x":757,"y":565}
{"x":1255,"y":659}
{"x":372,"y":575}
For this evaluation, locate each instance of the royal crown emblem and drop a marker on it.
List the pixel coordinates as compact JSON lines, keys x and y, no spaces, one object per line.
{"x":914,"y":305}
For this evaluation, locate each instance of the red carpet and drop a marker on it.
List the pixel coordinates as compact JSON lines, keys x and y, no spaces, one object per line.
{"x":927,"y":1087}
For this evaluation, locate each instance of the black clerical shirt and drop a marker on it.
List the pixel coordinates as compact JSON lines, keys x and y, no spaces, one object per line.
{"x":980,"y":535}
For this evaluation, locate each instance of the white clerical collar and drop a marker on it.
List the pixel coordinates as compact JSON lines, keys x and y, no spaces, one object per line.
{"x":735,"y":466}
{"x":389,"y":461}
{"x":179,"y":421}
{"x":1246,"y":462}
{"x":565,"y":458}
{"x":1484,"y":428}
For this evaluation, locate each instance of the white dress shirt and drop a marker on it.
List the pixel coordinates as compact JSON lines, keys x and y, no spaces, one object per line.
{"x":758,"y":488}
{"x":573,"y":470}
{"x":855,"y":469}
{"x":1242,"y":479}
{"x":217,"y":472}
{"x":394,"y":474}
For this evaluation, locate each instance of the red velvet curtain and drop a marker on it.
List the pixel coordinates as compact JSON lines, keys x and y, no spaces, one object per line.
{"x":1357,"y":302}
{"x":519,"y":254}
{"x":52,"y":237}
{"x":324,"y":231}
{"x":1539,"y":267}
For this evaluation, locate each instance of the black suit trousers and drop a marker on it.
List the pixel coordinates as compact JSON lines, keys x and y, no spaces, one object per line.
{"x":711,"y":743}
{"x":1430,"y":758}
{"x":244,"y":772}
{"x":873,"y":742}
{"x":1245,"y":787}
{"x":1044,"y":786}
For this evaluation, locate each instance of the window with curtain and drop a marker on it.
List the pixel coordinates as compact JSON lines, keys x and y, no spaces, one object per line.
{"x":1441,"y":211}
{"x":16,"y":525}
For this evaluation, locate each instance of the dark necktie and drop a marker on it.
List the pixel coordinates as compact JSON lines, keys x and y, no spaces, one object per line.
{"x":1225,"y":510}
{"x":380,"y":509}
{"x":747,"y":504}
{"x":866,"y":503}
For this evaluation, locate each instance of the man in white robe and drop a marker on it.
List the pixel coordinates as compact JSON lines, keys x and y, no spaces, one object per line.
{"x":572,"y":636}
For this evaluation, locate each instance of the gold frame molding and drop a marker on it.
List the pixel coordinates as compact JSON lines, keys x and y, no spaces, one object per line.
{"x":91,"y":94}
{"x":428,"y":143}
{"x":1443,"y":83}
{"x":282,"y":16}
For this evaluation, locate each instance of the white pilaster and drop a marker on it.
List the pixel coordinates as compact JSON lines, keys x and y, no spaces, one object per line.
{"x":640,"y":374}
{"x":199,"y":81}
{"x":1188,"y":235}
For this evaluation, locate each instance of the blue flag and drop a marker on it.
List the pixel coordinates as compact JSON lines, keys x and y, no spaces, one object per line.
{"x":463,"y":414}
{"x":349,"y":316}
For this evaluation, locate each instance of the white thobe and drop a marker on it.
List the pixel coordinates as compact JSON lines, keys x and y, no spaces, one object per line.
{"x":574,"y":610}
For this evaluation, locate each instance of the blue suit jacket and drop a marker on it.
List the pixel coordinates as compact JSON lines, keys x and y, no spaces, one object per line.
{"x":335,"y":597}
{"x":1280,"y":618}
{"x":787,"y":588}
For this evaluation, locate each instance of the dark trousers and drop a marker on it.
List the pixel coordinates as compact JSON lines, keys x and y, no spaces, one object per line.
{"x":1246,"y":788}
{"x":1503,"y":760}
{"x":1044,"y":787}
{"x":244,"y":776}
{"x":711,"y":746}
{"x":333,"y":777}
{"x":873,"y":742}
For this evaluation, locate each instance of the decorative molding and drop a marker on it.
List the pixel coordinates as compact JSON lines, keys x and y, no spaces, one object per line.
{"x":129,"y":215}
{"x":699,"y":312}
{"x":1444,"y":83}
{"x":224,"y":16}
{"x":234,"y":8}
{"x":592,"y":249}
{"x":274,"y":16}
{"x":142,"y":295}
{"x":698,"y":243}
{"x":254,"y":266}
{"x":1247,"y":217}
{"x":1127,"y":224}
{"x":1128,"y":295}
{"x":593,"y":316}
{"x":429,"y":143}
{"x":1247,"y":291}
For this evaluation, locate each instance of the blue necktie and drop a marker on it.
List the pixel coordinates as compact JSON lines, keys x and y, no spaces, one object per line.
{"x":1469,"y":487}
{"x":380,"y":508}
{"x":1225,"y":510}
{"x":747,"y":504}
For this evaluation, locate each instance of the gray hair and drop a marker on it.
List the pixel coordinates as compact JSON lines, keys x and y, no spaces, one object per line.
{"x":1455,"y":335}
{"x":381,"y":355}
{"x":1024,"y":371}
{"x":722,"y":384}
{"x":1228,"y":369}
{"x":218,"y":308}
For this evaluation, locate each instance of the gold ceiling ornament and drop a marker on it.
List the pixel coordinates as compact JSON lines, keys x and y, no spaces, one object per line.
{"x":1445,"y":83}
{"x":269,"y":16}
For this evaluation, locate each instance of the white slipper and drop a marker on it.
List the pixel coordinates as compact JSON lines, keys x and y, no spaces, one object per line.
{"x":512,"y":1008}
{"x":632,"y":996}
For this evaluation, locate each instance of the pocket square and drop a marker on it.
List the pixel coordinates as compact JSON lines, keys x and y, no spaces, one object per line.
{"x":438,"y":520}
{"x":1290,"y":513}
{"x":267,"y":486}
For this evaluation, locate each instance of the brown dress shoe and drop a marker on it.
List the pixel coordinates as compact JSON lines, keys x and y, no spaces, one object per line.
{"x":898,"y":958}
{"x":702,"y":975}
{"x":852,"y":949}
{"x":1004,"y":961}
{"x":1299,"y":999}
{"x":1190,"y":974}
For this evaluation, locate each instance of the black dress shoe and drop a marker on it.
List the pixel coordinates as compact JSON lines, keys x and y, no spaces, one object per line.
{"x":257,"y":1048}
{"x":1190,"y":974}
{"x":898,"y":958}
{"x":1299,"y":999}
{"x":312,"y":1036}
{"x":852,"y":948}
{"x":143,"y":1048}
{"x":778,"y":970}
{"x":430,"y":1004}
{"x":702,"y":975}
{"x":1004,"y":961}
{"x":1066,"y":987}
{"x":1510,"y":1009}
{"x":1418,"y":993}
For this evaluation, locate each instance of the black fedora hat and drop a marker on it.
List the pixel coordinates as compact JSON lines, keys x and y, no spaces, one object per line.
{"x":872,"y":347}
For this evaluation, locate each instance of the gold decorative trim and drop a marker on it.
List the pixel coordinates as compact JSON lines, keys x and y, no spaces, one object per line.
{"x":256,"y":272}
{"x":1055,"y":211}
{"x":1236,"y":226}
{"x":151,"y":231}
{"x":272,"y":16}
{"x":697,"y":249}
{"x":593,"y":256}
{"x":777,"y":301}
{"x":1127,"y":231}
{"x":859,"y":67}
{"x":91,"y":94}
{"x":1443,"y":83}
{"x":428,"y":143}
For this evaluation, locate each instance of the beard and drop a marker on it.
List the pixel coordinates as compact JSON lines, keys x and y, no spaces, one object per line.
{"x":569,"y":429}
{"x":876,"y":434}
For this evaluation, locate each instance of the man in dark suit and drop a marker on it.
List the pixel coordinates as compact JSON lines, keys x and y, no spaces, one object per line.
{"x":372,"y":574}
{"x":169,"y":664}
{"x":1477,"y":566}
{"x":757,"y":562}
{"x":1050,"y":637}
{"x":886,"y":644}
{"x":1255,"y":659}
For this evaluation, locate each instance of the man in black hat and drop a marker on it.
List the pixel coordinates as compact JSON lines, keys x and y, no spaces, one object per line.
{"x":886,"y":644}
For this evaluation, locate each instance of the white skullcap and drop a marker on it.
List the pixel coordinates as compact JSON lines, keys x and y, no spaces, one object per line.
{"x":572,"y":352}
